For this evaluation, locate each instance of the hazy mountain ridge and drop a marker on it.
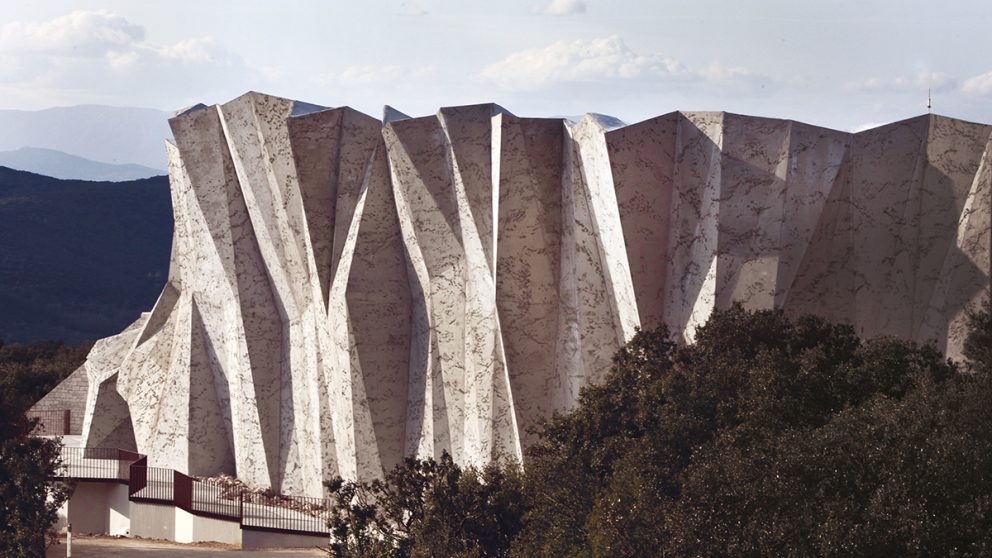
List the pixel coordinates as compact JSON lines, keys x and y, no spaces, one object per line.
{"x":78,"y":259}
{"x":58,"y":164}
{"x":104,"y":134}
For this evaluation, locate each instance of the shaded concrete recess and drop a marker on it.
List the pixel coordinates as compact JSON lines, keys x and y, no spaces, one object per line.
{"x":345,"y":292}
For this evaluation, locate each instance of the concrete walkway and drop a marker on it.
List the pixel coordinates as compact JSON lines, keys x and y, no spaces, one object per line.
{"x":97,"y":547}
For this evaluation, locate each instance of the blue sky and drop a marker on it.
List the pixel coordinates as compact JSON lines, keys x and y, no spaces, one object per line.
{"x":846,"y":64}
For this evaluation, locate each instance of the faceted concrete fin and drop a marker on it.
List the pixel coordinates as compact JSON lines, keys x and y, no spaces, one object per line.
{"x":345,"y":291}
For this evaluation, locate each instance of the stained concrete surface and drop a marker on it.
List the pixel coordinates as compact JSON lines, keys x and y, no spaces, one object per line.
{"x":345,"y":292}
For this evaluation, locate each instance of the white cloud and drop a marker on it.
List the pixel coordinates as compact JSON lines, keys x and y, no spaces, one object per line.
{"x":375,"y":75}
{"x":80,"y":33}
{"x":413,"y":10}
{"x":922,"y":81}
{"x":102,"y":57}
{"x":566,"y":61}
{"x":122,"y":61}
{"x":717,"y":72}
{"x":608,"y":62}
{"x":193,"y":50}
{"x":978,"y":85}
{"x":564,"y":7}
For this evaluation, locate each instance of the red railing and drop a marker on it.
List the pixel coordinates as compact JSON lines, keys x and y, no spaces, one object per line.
{"x":138,"y":473}
{"x":285,"y":514}
{"x":204,"y":499}
{"x":158,"y":486}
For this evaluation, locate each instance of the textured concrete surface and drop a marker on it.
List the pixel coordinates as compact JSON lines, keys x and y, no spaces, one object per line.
{"x":345,"y":292}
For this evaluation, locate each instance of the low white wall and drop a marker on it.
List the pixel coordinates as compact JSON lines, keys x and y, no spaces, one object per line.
{"x":251,"y":538}
{"x":153,"y":521}
{"x":104,"y":507}
{"x":119,"y":507}
{"x":193,"y":528}
{"x":99,"y":507}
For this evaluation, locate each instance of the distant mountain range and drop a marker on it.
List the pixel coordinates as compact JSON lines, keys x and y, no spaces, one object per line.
{"x":112,"y":135}
{"x":79,"y":260}
{"x":57,"y":164}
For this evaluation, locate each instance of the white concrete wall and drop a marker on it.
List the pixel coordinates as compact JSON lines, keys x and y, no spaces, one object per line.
{"x":104,"y":508}
{"x":252,"y":539}
{"x":192,"y":528}
{"x":98,"y":507}
{"x":153,"y":521}
{"x":119,"y":509}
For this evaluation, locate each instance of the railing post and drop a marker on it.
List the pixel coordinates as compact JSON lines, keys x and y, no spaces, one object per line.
{"x":182,"y":487}
{"x":138,"y":473}
{"x":241,"y":506}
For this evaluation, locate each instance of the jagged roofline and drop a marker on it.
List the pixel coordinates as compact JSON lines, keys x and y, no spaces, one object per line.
{"x":392,"y":114}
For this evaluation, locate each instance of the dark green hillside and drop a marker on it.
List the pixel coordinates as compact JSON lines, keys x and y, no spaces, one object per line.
{"x":79,"y":260}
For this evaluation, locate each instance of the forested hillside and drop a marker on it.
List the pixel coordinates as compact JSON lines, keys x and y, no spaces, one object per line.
{"x":79,"y":260}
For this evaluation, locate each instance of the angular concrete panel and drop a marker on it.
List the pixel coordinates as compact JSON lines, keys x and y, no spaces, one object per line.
{"x":344,"y":292}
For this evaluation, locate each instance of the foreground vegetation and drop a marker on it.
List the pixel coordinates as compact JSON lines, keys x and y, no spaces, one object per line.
{"x":28,"y":372}
{"x":28,"y":500}
{"x":767,"y":437}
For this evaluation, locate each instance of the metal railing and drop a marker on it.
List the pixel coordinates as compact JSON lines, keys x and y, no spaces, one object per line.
{"x":96,"y":463}
{"x":200,"y":498}
{"x":285,"y":514}
{"x":138,"y":476}
{"x":158,"y":485}
{"x":51,"y":423}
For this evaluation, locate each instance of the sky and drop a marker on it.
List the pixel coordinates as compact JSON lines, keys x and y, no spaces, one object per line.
{"x":844,"y":64}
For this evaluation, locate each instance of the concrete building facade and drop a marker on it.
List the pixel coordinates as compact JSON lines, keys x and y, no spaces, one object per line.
{"x":344,"y":291}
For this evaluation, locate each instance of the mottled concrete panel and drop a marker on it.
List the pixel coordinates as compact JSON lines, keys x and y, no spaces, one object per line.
{"x":379,"y":308}
{"x":588,"y":332}
{"x":755,"y":156}
{"x":527,"y":268}
{"x":691,"y":276}
{"x":315,"y":139}
{"x":642,"y":158}
{"x":815,"y":185}
{"x":589,"y":137}
{"x":345,"y":292}
{"x":428,"y":205}
{"x":258,"y":138}
{"x":114,"y":414}
{"x":954,"y":152}
{"x":469,"y":134}
{"x":210,"y":435}
{"x":889,"y":166}
{"x":235,"y":298}
{"x":964,"y":275}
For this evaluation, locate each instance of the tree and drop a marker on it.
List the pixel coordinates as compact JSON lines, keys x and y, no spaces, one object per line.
{"x":978,"y":344}
{"x":29,"y":500}
{"x":28,"y":372}
{"x":428,"y":508}
{"x":770,"y":436}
